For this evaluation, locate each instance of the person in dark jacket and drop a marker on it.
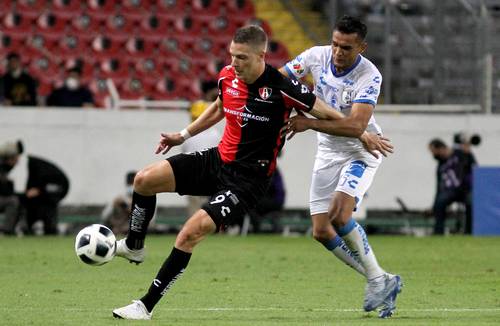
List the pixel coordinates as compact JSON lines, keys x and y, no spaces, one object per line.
{"x":454,"y":181}
{"x":46,"y":186}
{"x":17,"y":87}
{"x":72,"y":93}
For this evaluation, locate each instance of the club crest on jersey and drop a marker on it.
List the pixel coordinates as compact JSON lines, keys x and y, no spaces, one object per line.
{"x":347,"y":95}
{"x":265,"y":92}
{"x":298,"y":68}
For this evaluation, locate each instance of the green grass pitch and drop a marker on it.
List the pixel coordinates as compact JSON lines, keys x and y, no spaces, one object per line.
{"x":257,"y":280}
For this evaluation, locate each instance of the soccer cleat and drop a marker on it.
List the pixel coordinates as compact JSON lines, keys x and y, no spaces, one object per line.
{"x":377,"y":290}
{"x":389,"y":304}
{"x":136,"y":311}
{"x":134,"y":256}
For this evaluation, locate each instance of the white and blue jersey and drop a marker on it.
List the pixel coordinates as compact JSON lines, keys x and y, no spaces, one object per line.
{"x":342,"y":164}
{"x":358,"y":84}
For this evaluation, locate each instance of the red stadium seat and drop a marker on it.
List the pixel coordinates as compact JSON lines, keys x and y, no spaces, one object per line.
{"x":43,"y":67}
{"x":242,"y":8}
{"x":45,"y":86}
{"x":277,"y":50}
{"x":155,"y":27}
{"x":221,"y":25}
{"x":31,"y":8}
{"x":148,"y":68}
{"x":101,"y":9}
{"x":172,"y":8}
{"x":99,"y":91}
{"x":189,"y":25}
{"x":48,"y":23}
{"x":87,"y":68}
{"x":5,"y":7}
{"x":262,"y":23}
{"x":86,"y":25}
{"x":175,"y":45}
{"x":133,"y":88}
{"x":166,"y":88}
{"x":16,"y":23}
{"x":66,"y":8}
{"x":135,"y":9}
{"x":189,"y":87}
{"x":114,"y":68}
{"x":11,"y":43}
{"x":72,"y":46}
{"x":107,"y":46}
{"x":140,"y":48}
{"x":119,"y":24}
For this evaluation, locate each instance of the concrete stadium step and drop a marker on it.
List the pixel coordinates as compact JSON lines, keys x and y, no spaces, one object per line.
{"x":284,"y":26}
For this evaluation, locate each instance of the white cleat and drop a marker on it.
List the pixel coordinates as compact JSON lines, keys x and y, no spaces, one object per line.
{"x":134,"y":256}
{"x":378,"y":289}
{"x":135,"y":311}
{"x":389,"y":304}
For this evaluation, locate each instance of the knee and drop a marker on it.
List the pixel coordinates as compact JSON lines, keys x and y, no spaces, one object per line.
{"x":187,"y":239}
{"x":322,"y":234}
{"x":142,"y":182}
{"x":339,"y":216}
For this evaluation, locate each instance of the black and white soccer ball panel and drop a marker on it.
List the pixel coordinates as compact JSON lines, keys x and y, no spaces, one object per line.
{"x":95,"y":244}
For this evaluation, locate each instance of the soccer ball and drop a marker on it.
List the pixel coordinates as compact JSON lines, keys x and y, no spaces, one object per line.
{"x":95,"y":244}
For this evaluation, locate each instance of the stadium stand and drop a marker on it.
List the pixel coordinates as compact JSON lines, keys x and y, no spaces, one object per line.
{"x":183,"y":41}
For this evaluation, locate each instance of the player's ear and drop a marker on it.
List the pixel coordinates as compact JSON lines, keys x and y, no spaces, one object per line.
{"x":363,"y":46}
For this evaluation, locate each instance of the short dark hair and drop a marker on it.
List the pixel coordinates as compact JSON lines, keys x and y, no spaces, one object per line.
{"x":251,"y":34}
{"x":76,"y":70}
{"x":350,"y":25}
{"x":13,"y":55}
{"x":437,"y":143}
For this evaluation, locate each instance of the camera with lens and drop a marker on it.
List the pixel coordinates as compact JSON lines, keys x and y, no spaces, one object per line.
{"x":462,"y":138}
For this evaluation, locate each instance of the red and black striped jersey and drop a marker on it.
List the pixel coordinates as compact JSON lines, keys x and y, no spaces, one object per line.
{"x":255,"y":114}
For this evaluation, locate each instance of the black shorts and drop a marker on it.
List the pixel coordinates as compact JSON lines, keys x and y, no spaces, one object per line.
{"x":232,"y":188}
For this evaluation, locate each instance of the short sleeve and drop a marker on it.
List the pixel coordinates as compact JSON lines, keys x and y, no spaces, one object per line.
{"x":369,"y":90}
{"x":223,"y":74}
{"x":300,"y":66}
{"x":297,"y":96}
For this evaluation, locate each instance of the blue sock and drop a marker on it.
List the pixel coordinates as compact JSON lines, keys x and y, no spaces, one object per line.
{"x":333,"y":243}
{"x":351,"y":224}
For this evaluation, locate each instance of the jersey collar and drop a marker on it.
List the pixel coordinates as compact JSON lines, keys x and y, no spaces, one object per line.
{"x":348,"y":70}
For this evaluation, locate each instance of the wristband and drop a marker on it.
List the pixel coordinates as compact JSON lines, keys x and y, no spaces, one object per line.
{"x":185,"y":134}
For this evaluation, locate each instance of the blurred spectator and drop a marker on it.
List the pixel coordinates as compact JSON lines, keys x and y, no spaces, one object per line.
{"x":46,"y":186}
{"x":9,"y":201}
{"x":116,"y":214}
{"x":17,"y":87}
{"x":72,"y":93}
{"x":206,"y":139}
{"x":454,"y":180}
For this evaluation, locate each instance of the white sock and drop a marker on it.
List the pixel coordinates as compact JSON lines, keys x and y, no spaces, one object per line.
{"x":338,"y":247}
{"x":355,"y":238}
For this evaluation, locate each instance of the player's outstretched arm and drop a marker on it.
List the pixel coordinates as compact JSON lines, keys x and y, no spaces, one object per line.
{"x":333,"y":122}
{"x":213,"y":114}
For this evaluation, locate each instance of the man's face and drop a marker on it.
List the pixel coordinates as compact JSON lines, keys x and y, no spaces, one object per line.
{"x":14,"y":64}
{"x":439,"y":153}
{"x":246,"y":61}
{"x":345,"y":49}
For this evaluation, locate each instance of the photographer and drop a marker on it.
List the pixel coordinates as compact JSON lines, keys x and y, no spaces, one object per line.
{"x":454,"y":178}
{"x":9,"y":202}
{"x":46,"y":186}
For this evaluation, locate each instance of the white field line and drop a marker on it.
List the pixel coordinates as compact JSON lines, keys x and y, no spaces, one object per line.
{"x":250,"y":309}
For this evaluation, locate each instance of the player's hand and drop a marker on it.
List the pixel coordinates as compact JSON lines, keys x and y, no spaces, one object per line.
{"x":375,"y":144}
{"x":295,"y":124}
{"x":167,"y":141}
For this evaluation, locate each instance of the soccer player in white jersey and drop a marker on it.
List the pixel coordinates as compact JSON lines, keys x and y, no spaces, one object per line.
{"x":343,"y":169}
